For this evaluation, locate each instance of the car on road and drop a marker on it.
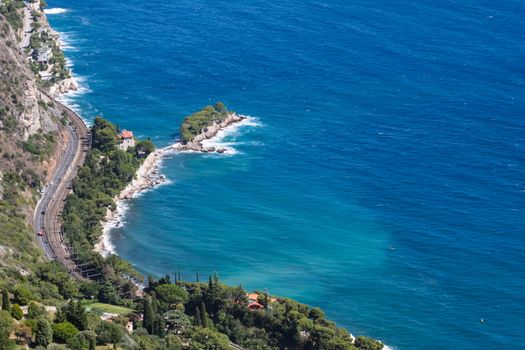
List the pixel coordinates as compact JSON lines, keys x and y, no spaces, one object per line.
{"x":41,"y":233}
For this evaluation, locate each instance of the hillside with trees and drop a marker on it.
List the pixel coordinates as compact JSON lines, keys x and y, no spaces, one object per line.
{"x":31,"y":135}
{"x":43,"y":307}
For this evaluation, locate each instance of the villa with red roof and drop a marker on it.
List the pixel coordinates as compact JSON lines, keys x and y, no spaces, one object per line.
{"x":253,"y":303}
{"x":126,"y":140}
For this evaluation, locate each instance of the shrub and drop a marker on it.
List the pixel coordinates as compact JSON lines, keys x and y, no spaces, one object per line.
{"x":364,"y":343}
{"x":23,"y":295}
{"x":16,"y":312}
{"x":64,"y":331}
{"x":108,"y":333}
{"x":6,"y":326}
{"x":35,"y":311}
{"x":83,"y":341}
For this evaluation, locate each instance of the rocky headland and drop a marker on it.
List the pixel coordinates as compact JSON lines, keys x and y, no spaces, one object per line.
{"x":195,"y":144}
{"x":149,"y":175}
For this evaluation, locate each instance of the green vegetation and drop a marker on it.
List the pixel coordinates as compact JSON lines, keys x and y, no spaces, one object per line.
{"x":10,"y":9}
{"x":40,"y":144}
{"x":16,"y":312}
{"x":60,"y":70}
{"x":17,"y":250}
{"x":105,"y":173}
{"x":176,"y":316}
{"x":193,"y":124}
{"x":63,"y":332}
{"x":43,"y":332}
{"x":6,"y":327}
{"x":6,"y":302}
{"x":210,"y":315}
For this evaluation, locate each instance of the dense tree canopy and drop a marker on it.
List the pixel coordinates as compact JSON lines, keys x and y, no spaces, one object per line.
{"x":106,"y":171}
{"x":63,"y":332}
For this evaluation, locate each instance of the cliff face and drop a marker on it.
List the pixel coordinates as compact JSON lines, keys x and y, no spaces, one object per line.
{"x":30,"y":124}
{"x":32,"y":138}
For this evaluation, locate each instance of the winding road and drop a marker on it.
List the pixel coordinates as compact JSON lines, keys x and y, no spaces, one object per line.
{"x":47,"y":216}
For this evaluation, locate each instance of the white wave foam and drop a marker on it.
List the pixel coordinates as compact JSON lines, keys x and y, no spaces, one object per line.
{"x":69,"y":98}
{"x":55,"y":11}
{"x":67,"y":41}
{"x":116,"y":220}
{"x":233,"y":130}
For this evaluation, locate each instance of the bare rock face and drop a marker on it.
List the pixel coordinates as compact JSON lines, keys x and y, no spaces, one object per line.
{"x":1,"y":186}
{"x":28,"y":118}
{"x":19,"y":95}
{"x":63,"y":87}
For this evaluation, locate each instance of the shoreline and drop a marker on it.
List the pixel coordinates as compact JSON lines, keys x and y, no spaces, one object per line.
{"x":148,"y":176}
{"x":59,"y":87}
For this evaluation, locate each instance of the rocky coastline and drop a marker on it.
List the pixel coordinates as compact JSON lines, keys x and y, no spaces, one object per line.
{"x":149,"y":176}
{"x":60,"y":86}
{"x":209,"y":132}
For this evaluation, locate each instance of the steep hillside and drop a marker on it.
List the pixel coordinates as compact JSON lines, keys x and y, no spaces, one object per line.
{"x":31,"y":140}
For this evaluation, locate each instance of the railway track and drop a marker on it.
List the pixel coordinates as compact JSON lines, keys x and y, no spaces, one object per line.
{"x":47,"y":216}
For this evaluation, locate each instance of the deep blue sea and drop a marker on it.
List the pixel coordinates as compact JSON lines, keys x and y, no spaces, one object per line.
{"x":384,"y":181}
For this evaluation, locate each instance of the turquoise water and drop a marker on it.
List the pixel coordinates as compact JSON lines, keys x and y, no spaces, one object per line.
{"x":384,"y":180}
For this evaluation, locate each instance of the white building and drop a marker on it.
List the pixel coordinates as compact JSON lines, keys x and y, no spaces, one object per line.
{"x":126,"y":140}
{"x":44,"y":54}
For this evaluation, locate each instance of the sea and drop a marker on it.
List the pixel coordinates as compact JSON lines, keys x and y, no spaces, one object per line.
{"x":381,"y":175}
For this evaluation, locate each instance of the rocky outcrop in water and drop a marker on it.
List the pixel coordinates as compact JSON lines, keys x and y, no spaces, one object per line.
{"x":210,"y":131}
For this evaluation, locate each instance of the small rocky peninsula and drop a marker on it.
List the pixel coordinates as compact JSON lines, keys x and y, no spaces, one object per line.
{"x":209,"y":122}
{"x":205,"y":124}
{"x":195,"y":144}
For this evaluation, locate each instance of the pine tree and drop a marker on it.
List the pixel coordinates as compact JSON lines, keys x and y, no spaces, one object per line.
{"x":197,"y":318}
{"x":149,"y":316}
{"x":210,"y":283}
{"x":6,"y":303}
{"x":60,"y":316}
{"x":204,"y":316}
{"x":43,"y":333}
{"x":75,"y":313}
{"x":80,"y":317}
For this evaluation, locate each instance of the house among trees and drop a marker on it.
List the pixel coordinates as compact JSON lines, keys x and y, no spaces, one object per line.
{"x":43,"y":55}
{"x":126,"y":140}
{"x":256,"y":301}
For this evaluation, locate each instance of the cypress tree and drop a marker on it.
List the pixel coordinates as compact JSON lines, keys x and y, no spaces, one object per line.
{"x":148,"y":316}
{"x":204,"y":316}
{"x":210,"y":283}
{"x":154,"y":303}
{"x":159,"y":326}
{"x":6,"y":303}
{"x":197,"y":318}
